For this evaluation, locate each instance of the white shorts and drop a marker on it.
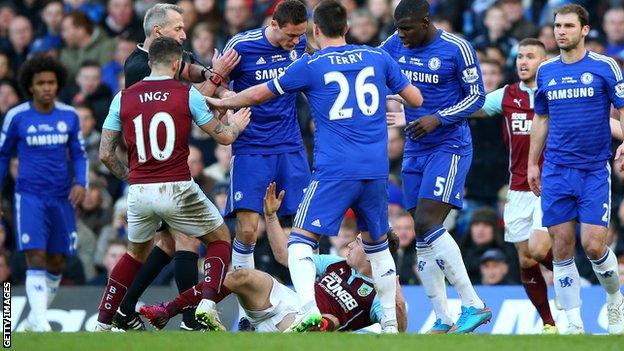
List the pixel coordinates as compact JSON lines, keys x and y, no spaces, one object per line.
{"x":284,"y":301}
{"x":182,"y":205}
{"x":522,"y":216}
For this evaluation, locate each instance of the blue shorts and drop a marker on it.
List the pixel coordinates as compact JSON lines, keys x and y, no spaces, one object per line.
{"x":570,"y":194}
{"x":326,"y":201}
{"x":45,"y":223}
{"x":250,"y":175}
{"x":439,"y":176}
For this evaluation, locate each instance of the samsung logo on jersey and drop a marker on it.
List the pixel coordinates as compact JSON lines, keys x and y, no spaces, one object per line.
{"x":570,"y":93}
{"x":268,"y":74}
{"x":422,"y":77}
{"x":331,"y":283}
{"x":47,"y":139}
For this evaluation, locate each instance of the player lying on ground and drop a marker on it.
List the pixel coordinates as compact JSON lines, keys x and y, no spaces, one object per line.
{"x":344,"y":291}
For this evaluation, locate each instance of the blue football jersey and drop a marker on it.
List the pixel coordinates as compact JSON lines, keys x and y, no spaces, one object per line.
{"x":446,"y":71}
{"x":346,"y":88}
{"x":42,"y":141}
{"x":274,"y":127}
{"x":577,"y":98}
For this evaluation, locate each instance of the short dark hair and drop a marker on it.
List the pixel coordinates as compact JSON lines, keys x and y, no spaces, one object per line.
{"x":164,"y":50}
{"x":532,"y":42}
{"x":89,"y":63}
{"x":81,"y":20}
{"x":37,"y":64}
{"x":579,"y":10}
{"x":331,"y":18}
{"x":290,"y":11}
{"x":416,"y":9}
{"x":491,"y":61}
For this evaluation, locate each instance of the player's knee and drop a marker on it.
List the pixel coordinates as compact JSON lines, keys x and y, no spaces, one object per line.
{"x":166,"y":243}
{"x":186,"y":243}
{"x":36,"y":259}
{"x":538,"y":249}
{"x":221,"y":233}
{"x":594,"y":249}
{"x":247,"y":227}
{"x":423,"y":223}
{"x":237,"y":278}
{"x":56,"y":264}
{"x":526,"y":261}
{"x":139,"y":251}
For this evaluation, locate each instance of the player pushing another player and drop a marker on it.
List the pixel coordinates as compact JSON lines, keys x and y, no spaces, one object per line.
{"x":575,"y":91}
{"x":154,"y":117}
{"x":344,"y":86}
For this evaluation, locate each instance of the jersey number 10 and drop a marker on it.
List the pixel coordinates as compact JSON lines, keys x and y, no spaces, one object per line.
{"x":157,"y":152}
{"x":338,"y":110}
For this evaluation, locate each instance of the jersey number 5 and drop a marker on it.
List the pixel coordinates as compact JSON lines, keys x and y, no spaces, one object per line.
{"x":338,"y":110}
{"x":157,"y":152}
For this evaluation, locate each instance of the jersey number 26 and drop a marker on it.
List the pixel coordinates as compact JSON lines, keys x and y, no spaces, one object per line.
{"x":338,"y":110}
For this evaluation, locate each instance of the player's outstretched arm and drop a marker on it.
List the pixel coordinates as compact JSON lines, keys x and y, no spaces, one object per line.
{"x":618,"y":132}
{"x":108,"y":144}
{"x":401,"y":308}
{"x":412,"y":96}
{"x":249,"y":97}
{"x":616,"y":128}
{"x":278,"y":239}
{"x":226,"y":132}
{"x":539,"y":131}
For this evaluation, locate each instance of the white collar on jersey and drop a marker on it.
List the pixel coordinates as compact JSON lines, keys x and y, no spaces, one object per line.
{"x":524,"y":87}
{"x":157,"y":78}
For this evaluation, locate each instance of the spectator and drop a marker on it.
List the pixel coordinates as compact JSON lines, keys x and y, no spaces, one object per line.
{"x":494,"y":268}
{"x":116,"y":248}
{"x":396,"y":142}
{"x":363,"y":28}
{"x":207,"y":12}
{"x":396,"y":205}
{"x":237,"y":15}
{"x":20,"y":38}
{"x":7,"y":14}
{"x":547,"y":37}
{"x":89,"y":134}
{"x":45,"y":45}
{"x":383,"y":14}
{"x":196,"y":166}
{"x":613,"y":26}
{"x":90,"y":90}
{"x":52,"y":16}
{"x":5,"y":65}
{"x":496,"y":31}
{"x":493,"y":75}
{"x":122,"y":20}
{"x":5,"y":266}
{"x":219,"y":195}
{"x":520,"y":27}
{"x":189,"y":14}
{"x":203,"y":43}
{"x":116,"y":230}
{"x":595,"y":44}
{"x":403,"y":226}
{"x":483,"y":234}
{"x":92,"y":8}
{"x":112,"y":72}
{"x":95,"y":209}
{"x":83,"y":41}
{"x":85,"y":248}
{"x":220,"y":170}
{"x":9,"y":96}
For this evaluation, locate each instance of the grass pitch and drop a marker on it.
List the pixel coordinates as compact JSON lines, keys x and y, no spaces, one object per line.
{"x":187,"y":341}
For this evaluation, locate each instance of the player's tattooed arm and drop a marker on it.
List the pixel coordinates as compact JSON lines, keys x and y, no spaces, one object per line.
{"x":226,"y":129}
{"x":108,"y":144}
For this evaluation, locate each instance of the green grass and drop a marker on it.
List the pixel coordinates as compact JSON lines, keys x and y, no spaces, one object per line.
{"x":187,"y":341}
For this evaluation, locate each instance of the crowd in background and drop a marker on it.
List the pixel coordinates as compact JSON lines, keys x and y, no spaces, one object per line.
{"x":92,"y":39}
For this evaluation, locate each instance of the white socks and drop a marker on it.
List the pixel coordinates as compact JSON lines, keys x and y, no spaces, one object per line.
{"x":302,"y":268}
{"x":36,"y":291}
{"x":568,"y":289}
{"x":52,"y":281}
{"x":432,"y":279}
{"x":242,"y":255}
{"x":384,"y":277}
{"x":606,"y":269}
{"x":449,"y":258}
